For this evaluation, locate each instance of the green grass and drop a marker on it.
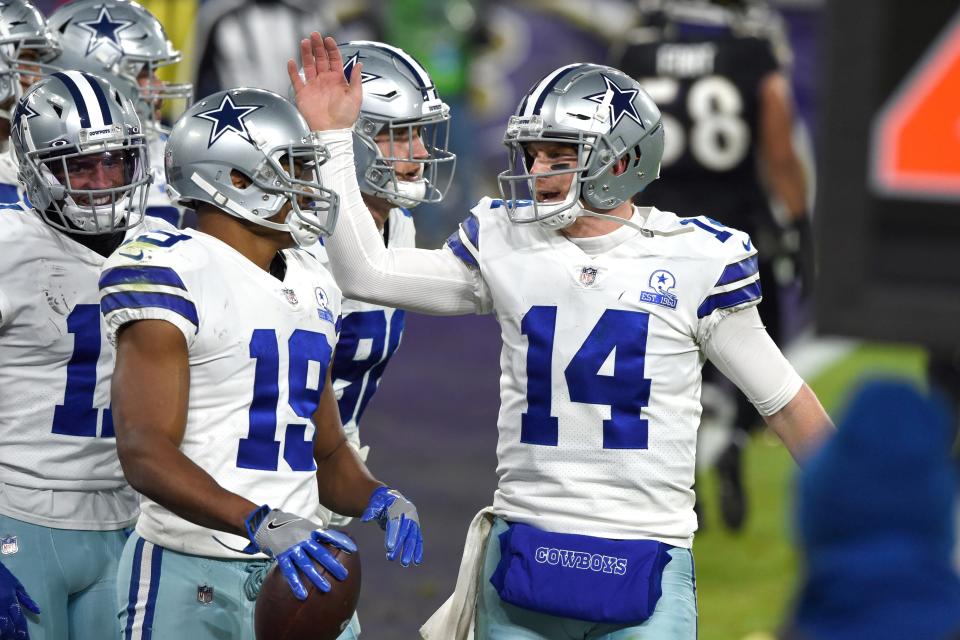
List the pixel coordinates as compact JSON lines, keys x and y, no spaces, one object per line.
{"x":745,"y":581}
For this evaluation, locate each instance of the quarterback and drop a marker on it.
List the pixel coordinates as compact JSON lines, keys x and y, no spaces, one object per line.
{"x":400,"y":148}
{"x":225,"y":415}
{"x":64,"y":503}
{"x":607,"y":313}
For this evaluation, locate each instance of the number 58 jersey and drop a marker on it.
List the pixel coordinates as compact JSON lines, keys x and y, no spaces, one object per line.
{"x":601,"y":360}
{"x":258,"y":349}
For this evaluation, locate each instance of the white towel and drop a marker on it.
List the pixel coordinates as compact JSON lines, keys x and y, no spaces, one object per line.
{"x":454,"y":620}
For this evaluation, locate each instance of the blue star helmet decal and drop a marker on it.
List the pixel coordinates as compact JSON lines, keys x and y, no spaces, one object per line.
{"x":350,"y":63}
{"x":23,"y":110}
{"x":105,"y":30}
{"x":621,"y":102}
{"x":228,"y":117}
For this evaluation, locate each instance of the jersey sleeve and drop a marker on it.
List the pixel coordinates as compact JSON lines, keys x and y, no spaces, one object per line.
{"x":144,"y":280}
{"x":734,"y":272}
{"x":465,"y":242}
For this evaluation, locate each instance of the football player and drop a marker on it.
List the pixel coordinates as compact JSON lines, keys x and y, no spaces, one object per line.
{"x":607,"y":313}
{"x":716,"y":69}
{"x":26,"y":45}
{"x":126,"y":44}
{"x":226,"y":418}
{"x":64,"y":503}
{"x":400,"y":148}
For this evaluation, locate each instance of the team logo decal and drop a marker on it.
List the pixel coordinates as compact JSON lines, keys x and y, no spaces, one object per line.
{"x":350,"y":63}
{"x":621,"y":102}
{"x":588,"y":275}
{"x":105,"y":30}
{"x":323,"y":305}
{"x":9,"y":545}
{"x":291,"y":296}
{"x":661,"y":282}
{"x":228,"y":117}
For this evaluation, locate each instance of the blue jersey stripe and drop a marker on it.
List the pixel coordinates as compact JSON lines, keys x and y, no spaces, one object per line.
{"x":459,"y":250}
{"x":143,"y":274}
{"x":471,"y":227}
{"x":77,"y":98}
{"x":730,"y":299}
{"x":738,"y":271}
{"x":166,"y":213}
{"x":134,"y":589}
{"x":140,"y":300}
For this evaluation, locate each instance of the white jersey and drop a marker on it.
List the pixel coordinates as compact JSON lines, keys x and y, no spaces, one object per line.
{"x":159,"y":204}
{"x":601,"y":360}
{"x":369,"y":336}
{"x":55,"y":368}
{"x":11,"y":191}
{"x":258,"y":348}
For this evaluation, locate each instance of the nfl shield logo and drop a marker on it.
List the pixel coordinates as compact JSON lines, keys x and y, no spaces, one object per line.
{"x":291,"y":296}
{"x":9,"y":545}
{"x":588,"y":275}
{"x":204,"y":594}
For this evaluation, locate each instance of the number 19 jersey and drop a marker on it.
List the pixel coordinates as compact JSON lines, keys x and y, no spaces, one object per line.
{"x":601,"y":360}
{"x":258,"y":348}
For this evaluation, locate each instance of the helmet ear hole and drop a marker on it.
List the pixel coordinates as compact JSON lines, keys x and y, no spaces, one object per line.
{"x":240,"y":180}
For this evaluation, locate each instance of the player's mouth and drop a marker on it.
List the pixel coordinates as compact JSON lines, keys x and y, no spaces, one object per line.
{"x":99,"y":201}
{"x":548,"y":195}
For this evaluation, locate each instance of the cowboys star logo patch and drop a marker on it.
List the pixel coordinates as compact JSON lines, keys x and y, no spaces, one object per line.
{"x":228,"y":117}
{"x":621,"y":102}
{"x":104,"y":30}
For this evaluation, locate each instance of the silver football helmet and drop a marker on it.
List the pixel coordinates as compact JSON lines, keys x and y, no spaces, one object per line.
{"x":606,"y":117}
{"x":26,"y":46}
{"x":401,"y":102}
{"x":124,"y":43}
{"x":262,"y":137}
{"x":82,"y":154}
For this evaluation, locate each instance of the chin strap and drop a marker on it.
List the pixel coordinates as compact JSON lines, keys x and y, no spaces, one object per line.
{"x":303,"y":236}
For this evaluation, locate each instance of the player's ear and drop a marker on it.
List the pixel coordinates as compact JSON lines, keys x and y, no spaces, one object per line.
{"x":239,"y":180}
{"x":621,"y":165}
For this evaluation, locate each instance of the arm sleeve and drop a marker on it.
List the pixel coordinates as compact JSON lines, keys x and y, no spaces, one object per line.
{"x":744,"y":352}
{"x":435,"y":282}
{"x":131,"y":292}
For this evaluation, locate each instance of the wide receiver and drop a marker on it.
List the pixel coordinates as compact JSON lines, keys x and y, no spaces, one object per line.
{"x":607,"y":313}
{"x":400,"y":148}
{"x":225,"y":415}
{"x":64,"y":503}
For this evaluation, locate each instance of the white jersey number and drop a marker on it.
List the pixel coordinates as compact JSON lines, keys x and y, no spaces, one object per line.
{"x":719,"y":138}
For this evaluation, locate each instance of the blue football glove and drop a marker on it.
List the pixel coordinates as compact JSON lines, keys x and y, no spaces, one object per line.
{"x":292,"y":541}
{"x":399,"y":518}
{"x":13,"y":599}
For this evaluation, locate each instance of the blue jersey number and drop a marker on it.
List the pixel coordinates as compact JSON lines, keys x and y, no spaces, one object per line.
{"x":626,"y":391}
{"x":77,"y":416}
{"x":719,"y":234}
{"x":259,"y":450}
{"x":357,"y":326}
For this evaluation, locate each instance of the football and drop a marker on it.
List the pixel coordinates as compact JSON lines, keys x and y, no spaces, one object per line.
{"x":322,"y":616}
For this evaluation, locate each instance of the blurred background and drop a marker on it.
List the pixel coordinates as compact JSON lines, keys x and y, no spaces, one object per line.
{"x":886,"y":295}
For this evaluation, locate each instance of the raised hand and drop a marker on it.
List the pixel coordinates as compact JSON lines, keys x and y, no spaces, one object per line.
{"x":398,"y":517}
{"x":324,"y":96}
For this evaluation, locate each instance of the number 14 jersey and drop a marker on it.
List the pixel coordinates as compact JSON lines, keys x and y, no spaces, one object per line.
{"x":601,"y":360}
